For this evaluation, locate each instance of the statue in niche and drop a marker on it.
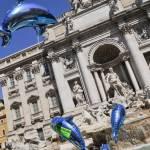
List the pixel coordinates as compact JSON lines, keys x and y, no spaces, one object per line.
{"x":68,"y":22}
{"x":119,"y":88}
{"x":78,"y":94}
{"x":69,"y":63}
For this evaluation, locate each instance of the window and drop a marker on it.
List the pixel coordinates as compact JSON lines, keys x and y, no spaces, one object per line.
{"x":29,"y":76}
{"x":21,"y":137}
{"x":46,"y":69}
{"x":12,"y":81}
{"x":35,"y":107}
{"x":54,"y":101}
{"x":18,"y":114}
{"x":41,"y":134}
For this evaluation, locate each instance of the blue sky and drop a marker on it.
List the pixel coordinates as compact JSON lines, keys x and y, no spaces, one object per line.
{"x":26,"y":37}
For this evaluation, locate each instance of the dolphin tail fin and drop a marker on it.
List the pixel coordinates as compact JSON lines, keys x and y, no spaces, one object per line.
{"x":115,"y":137}
{"x":6,"y":39}
{"x":69,"y":119}
{"x":40,"y":30}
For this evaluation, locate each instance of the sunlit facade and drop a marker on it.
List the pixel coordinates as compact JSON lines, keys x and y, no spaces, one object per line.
{"x":71,"y":68}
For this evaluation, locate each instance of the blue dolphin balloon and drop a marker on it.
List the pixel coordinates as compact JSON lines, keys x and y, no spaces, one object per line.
{"x":5,"y":34}
{"x":68,"y":131}
{"x":105,"y":147}
{"x":25,"y":15}
{"x":19,"y":1}
{"x":117,"y":118}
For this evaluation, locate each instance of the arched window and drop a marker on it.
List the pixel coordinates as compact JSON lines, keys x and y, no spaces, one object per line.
{"x":51,"y":96}
{"x":11,"y":81}
{"x":16,"y":108}
{"x":45,"y":69}
{"x":29,"y":76}
{"x":34,"y":105}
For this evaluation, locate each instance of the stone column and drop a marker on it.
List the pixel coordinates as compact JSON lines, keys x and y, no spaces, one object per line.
{"x":104,"y":81}
{"x":100,"y":86}
{"x":131,"y":74}
{"x":62,"y":85}
{"x":136,"y":56}
{"x":87,"y":75}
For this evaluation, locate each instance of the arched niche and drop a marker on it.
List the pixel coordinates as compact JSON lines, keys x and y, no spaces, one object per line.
{"x":107,"y":50}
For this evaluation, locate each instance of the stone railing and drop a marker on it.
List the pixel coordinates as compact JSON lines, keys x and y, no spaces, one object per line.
{"x":30,"y":85}
{"x":20,"y":122}
{"x":55,"y":111}
{"x":46,"y":80}
{"x":36,"y":117}
{"x":13,"y":91}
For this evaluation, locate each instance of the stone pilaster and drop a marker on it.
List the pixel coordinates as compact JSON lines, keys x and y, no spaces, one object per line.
{"x":62,"y":85}
{"x":136,"y":55}
{"x":23,"y":98}
{"x":86,"y":74}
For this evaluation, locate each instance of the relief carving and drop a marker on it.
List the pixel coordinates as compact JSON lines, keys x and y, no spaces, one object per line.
{"x":69,"y":63}
{"x":142,"y":31}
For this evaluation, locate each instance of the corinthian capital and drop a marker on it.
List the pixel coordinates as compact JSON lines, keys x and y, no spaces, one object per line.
{"x":126,"y":28}
{"x":76,"y":46}
{"x":53,"y":57}
{"x":3,"y":81}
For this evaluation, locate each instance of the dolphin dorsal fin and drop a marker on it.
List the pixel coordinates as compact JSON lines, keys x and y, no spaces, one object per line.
{"x":69,"y":119}
{"x":19,"y":1}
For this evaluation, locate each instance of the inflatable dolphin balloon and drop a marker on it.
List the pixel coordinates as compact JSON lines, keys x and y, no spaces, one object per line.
{"x":19,"y":1}
{"x":105,"y":147}
{"x":68,"y":130}
{"x":25,"y":15}
{"x":117,"y":119}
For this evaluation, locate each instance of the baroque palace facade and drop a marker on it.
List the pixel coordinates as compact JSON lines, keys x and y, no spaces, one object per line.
{"x":3,"y":125}
{"x":98,"y":51}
